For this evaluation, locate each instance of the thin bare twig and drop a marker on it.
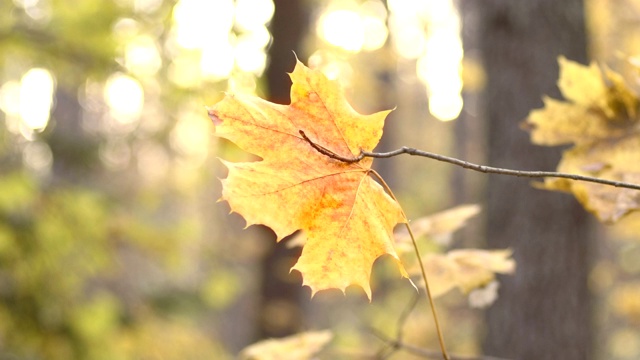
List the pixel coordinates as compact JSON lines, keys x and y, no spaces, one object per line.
{"x":390,"y":349}
{"x":405,"y":315}
{"x":426,"y":353}
{"x":467,"y":165}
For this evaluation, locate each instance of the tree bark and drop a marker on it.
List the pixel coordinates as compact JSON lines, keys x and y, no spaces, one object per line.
{"x":280,"y":305}
{"x":544,"y":310}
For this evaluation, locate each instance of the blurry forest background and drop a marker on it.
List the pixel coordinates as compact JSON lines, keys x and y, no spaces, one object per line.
{"x":112,"y":245}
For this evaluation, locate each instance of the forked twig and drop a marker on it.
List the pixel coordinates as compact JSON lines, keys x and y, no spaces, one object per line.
{"x":404,"y":316}
{"x":392,"y":347}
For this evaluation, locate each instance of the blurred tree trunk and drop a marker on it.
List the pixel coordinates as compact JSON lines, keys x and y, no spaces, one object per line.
{"x":75,"y":155}
{"x":280,"y":306}
{"x":468,"y":185}
{"x":544,"y":311}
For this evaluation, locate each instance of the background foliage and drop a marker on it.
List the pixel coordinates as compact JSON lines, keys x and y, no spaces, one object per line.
{"x":111,"y":243}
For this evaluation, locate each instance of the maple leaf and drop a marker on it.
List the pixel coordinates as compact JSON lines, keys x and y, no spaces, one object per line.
{"x":439,"y":227}
{"x":466,"y":269}
{"x":347,"y":217}
{"x":600,"y":117}
{"x":470,"y":270}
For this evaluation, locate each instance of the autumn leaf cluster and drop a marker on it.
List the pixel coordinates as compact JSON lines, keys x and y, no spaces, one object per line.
{"x":599,"y":117}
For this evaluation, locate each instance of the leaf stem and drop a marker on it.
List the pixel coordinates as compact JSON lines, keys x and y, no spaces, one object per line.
{"x":426,"y":285}
{"x":432,"y":304}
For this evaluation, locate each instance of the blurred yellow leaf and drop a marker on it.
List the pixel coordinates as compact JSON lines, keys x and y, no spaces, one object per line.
{"x":301,"y":346}
{"x":600,"y":119}
{"x":625,"y":301}
{"x":484,"y":296}
{"x":438,"y":226}
{"x":624,"y":344}
{"x":615,"y":161}
{"x":466,"y":269}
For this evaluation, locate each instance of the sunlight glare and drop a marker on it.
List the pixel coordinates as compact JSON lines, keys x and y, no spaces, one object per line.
{"x":408,"y":36}
{"x":250,"y":55}
{"x":440,"y":66}
{"x":217,"y":60}
{"x":408,"y":7}
{"x":251,"y":14}
{"x":184,"y":70}
{"x":141,"y":56}
{"x":259,"y":37}
{"x":342,"y":28}
{"x":445,"y":107}
{"x":374,"y":21}
{"x":125,"y":98}
{"x":191,"y":136}
{"x":407,"y":24}
{"x":10,"y":98}
{"x":429,"y":31}
{"x":376,"y":33}
{"x":197,"y":22}
{"x":228,"y":34}
{"x":36,"y":98}
{"x":242,"y":82}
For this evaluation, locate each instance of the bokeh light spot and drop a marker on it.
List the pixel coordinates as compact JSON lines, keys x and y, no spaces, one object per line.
{"x":36,"y":98}
{"x":342,"y":28}
{"x":197,"y":22}
{"x":251,"y":14}
{"x":142,"y":56}
{"x":125,"y":98}
{"x":10,"y":98}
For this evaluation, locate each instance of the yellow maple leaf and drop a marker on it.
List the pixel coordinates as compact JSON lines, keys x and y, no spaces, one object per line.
{"x":347,"y":217}
{"x":466,"y":269}
{"x":600,"y":117}
{"x":439,"y":226}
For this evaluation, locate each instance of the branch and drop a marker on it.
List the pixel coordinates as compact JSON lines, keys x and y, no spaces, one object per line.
{"x":500,"y":171}
{"x":467,"y":165}
{"x":324,"y":151}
